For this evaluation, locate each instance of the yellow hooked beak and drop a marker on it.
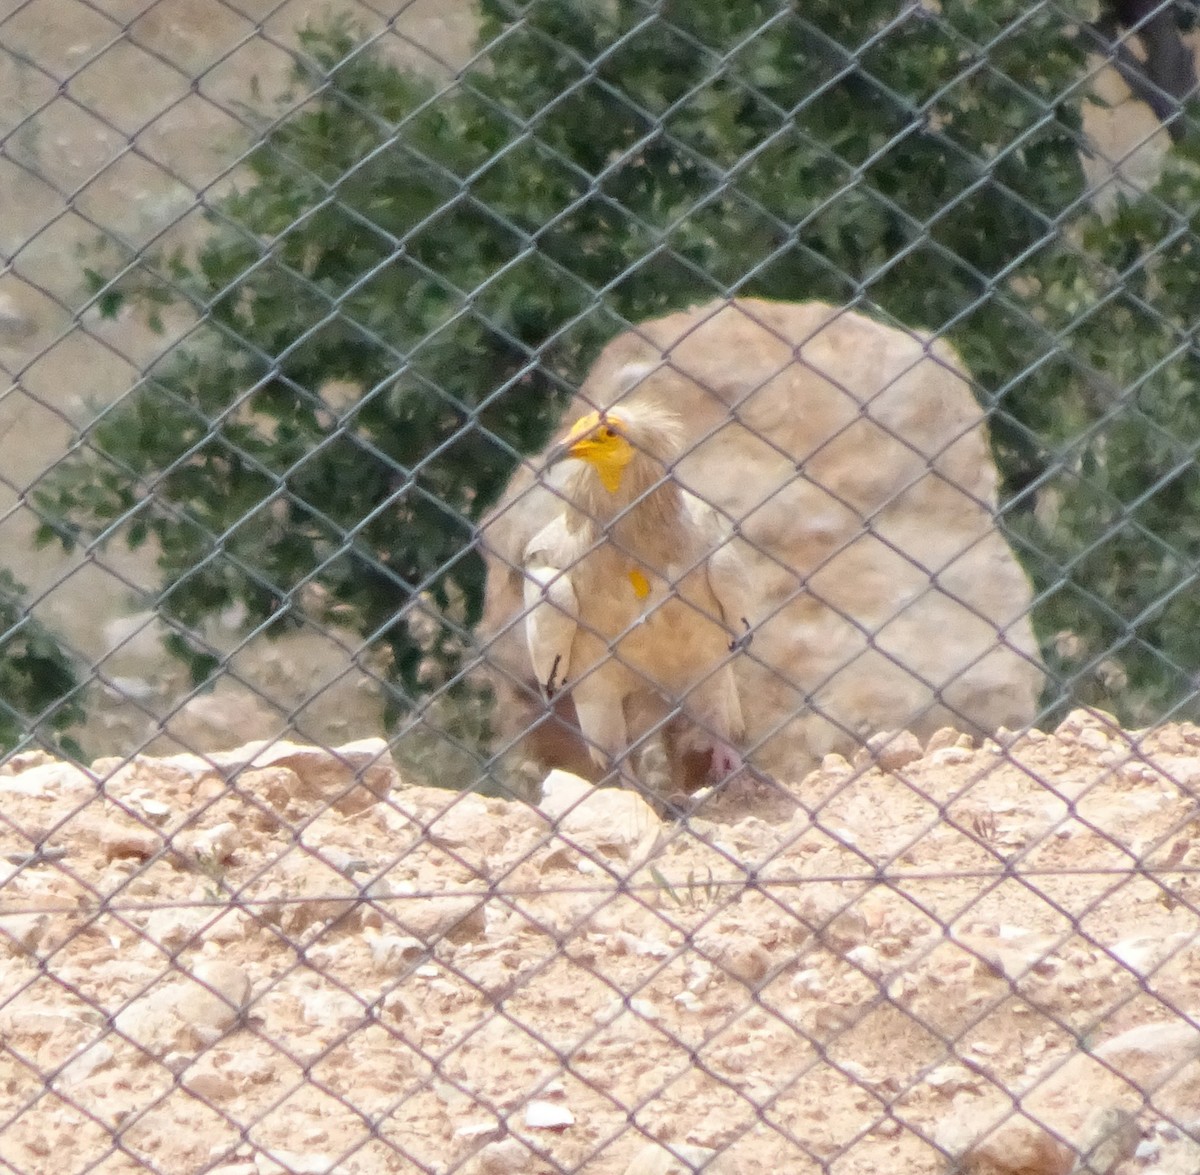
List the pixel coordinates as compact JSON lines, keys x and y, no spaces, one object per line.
{"x":599,"y":439}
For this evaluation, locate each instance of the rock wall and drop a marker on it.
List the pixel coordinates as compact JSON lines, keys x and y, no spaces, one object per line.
{"x":853,"y":461}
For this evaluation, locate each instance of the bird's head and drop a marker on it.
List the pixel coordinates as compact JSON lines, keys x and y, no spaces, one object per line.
{"x":611,"y":440}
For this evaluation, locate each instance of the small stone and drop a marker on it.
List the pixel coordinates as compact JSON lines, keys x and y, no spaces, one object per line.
{"x":150,"y":1023}
{"x":952,"y":1079}
{"x":947,"y":736}
{"x":897,"y":751}
{"x":1074,"y":724}
{"x":547,"y":1115}
{"x":225,"y":979}
{"x":174,"y":928}
{"x":154,"y":808}
{"x":1142,"y":954}
{"x":215,"y":845}
{"x":331,"y":1009}
{"x":890,"y":750}
{"x":1159,"y":1048}
{"x":509,"y":1156}
{"x":604,"y":822}
{"x":1015,"y":1147}
{"x":866,"y":958}
{"x":396,"y":952}
{"x":23,"y":932}
{"x":466,"y":821}
{"x":212,"y":1002}
{"x":808,"y":981}
{"x":1147,"y":1150}
{"x":835,"y":765}
{"x":210,"y":1085}
{"x":86,"y":1062}
{"x":950,"y":756}
{"x":346,"y":863}
{"x":232,"y":926}
{"x":741,"y":957}
{"x":277,"y":786}
{"x":700,"y":976}
{"x":119,"y":841}
{"x":1109,"y":1138}
{"x":24,"y":760}
{"x":430,"y":919}
{"x":49,"y":779}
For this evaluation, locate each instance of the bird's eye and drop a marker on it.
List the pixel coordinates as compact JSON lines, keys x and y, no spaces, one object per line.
{"x":606,"y":434}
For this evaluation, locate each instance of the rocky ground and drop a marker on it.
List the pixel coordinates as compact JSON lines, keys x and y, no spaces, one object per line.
{"x":285,"y":959}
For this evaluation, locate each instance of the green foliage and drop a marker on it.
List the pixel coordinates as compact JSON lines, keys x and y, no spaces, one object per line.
{"x":39,"y":692}
{"x":392,"y":305}
{"x":1115,"y":541}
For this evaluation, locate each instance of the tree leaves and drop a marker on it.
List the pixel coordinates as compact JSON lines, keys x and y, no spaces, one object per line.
{"x":39,"y":689}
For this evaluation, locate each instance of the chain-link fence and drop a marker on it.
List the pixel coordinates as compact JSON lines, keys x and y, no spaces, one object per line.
{"x":785,"y":415}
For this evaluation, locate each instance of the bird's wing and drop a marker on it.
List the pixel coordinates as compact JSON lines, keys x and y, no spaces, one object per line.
{"x":551,"y":614}
{"x":726,"y":571}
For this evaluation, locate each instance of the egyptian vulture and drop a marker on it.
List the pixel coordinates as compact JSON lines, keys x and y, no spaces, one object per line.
{"x":633,"y":588}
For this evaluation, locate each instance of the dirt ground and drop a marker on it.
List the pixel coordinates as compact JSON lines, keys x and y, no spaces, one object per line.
{"x":247,"y":965}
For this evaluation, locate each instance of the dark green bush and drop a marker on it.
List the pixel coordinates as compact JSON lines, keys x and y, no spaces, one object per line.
{"x":1115,"y":539}
{"x":39,"y":690}
{"x":448,"y":261}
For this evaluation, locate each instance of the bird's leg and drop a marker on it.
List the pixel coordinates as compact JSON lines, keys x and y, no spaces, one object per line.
{"x":601,"y":715}
{"x":714,"y":711}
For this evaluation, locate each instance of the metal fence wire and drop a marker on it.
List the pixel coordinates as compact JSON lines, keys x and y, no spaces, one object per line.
{"x":599,"y":587}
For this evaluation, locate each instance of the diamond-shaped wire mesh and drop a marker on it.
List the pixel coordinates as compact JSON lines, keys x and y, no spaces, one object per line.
{"x":598,"y":587}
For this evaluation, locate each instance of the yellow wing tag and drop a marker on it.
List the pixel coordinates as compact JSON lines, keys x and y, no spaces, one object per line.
{"x":641,"y":585}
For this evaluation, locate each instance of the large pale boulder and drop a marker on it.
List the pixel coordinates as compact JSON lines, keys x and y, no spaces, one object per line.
{"x":853,"y":460}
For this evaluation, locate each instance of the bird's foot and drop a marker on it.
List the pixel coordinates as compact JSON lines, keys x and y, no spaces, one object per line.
{"x":725,"y":762}
{"x":744,"y":790}
{"x":753,"y":788}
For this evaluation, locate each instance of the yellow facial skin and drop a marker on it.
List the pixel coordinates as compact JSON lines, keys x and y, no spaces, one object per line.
{"x":600,"y":440}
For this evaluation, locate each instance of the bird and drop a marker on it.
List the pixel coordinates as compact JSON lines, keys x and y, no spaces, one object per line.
{"x":633,"y":589}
